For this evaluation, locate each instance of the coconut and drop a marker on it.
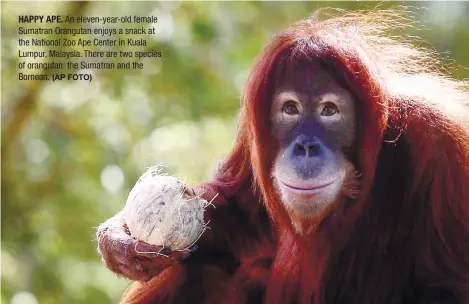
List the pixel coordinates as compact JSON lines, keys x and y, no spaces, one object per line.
{"x":161,"y":211}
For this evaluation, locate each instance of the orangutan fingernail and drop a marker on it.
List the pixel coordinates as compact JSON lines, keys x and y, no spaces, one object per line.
{"x":138,"y":267}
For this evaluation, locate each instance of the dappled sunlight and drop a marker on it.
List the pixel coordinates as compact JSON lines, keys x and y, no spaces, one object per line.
{"x":24,"y":297}
{"x":112,"y":178}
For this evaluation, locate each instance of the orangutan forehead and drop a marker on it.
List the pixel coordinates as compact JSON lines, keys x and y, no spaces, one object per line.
{"x":309,"y":77}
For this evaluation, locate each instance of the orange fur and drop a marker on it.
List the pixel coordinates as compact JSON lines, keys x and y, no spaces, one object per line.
{"x":402,"y":238}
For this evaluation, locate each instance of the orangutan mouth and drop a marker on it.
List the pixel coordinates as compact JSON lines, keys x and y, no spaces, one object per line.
{"x":308,"y":190}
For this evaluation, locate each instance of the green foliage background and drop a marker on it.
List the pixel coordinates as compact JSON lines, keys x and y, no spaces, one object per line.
{"x":71,"y":151}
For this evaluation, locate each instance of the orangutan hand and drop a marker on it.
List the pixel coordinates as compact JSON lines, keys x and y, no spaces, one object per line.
{"x":133,"y":259}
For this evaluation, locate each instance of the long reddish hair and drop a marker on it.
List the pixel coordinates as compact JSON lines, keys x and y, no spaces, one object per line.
{"x":412,"y":153}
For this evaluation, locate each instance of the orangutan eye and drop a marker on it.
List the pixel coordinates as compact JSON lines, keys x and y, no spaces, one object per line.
{"x":290,"y":108}
{"x":329,"y":109}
